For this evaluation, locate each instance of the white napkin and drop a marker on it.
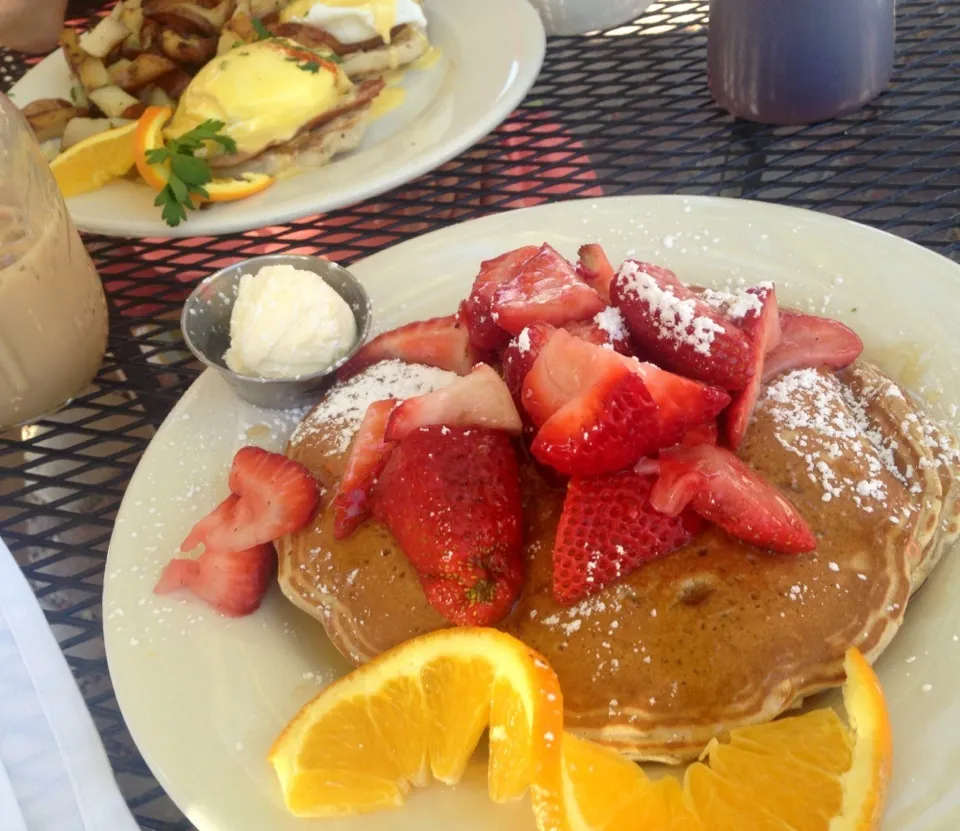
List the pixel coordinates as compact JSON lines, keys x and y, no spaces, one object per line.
{"x":54,"y":774}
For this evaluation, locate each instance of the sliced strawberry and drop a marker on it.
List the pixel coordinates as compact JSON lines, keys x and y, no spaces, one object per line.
{"x":682,"y":404}
{"x":271,"y":496}
{"x":761,"y":324}
{"x":723,"y":490}
{"x":521,"y":354}
{"x":368,"y":456}
{"x":480,"y":399}
{"x":451,"y":498}
{"x":546,"y":290}
{"x":232,"y":582}
{"x":595,"y":270}
{"x":485,"y":334}
{"x":808,"y":341}
{"x":606,"y":428}
{"x":607,"y":530}
{"x":606,"y":328}
{"x":441,"y":342}
{"x":704,"y":434}
{"x":567,"y":366}
{"x":682,"y":332}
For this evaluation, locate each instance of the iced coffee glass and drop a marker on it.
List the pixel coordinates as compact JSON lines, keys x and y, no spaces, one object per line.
{"x":53,"y":315}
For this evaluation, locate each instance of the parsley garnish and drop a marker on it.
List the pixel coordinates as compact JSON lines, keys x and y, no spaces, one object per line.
{"x":188,"y":174}
{"x":262,"y":32}
{"x":306,"y":66}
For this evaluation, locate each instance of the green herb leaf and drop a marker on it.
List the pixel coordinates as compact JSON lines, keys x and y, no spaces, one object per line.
{"x":187,"y":173}
{"x":262,"y":32}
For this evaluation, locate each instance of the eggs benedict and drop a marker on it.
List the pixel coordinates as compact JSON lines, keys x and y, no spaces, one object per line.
{"x":370,"y":35}
{"x":285,"y":105}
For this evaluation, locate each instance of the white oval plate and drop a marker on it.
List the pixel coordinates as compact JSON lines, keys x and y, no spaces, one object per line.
{"x":490,"y":54}
{"x":204,"y":697}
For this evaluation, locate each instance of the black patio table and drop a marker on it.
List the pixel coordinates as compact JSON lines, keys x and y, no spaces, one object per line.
{"x":620,"y":112}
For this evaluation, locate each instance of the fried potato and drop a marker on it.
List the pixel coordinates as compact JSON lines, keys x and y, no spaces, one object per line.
{"x":189,"y":17}
{"x":113,"y":102}
{"x":142,"y":70}
{"x":107,"y":35}
{"x":132,"y":16}
{"x":79,"y":129}
{"x":174,"y":83}
{"x":187,"y":49}
{"x":48,"y":117}
{"x":89,"y":71}
{"x":154,"y":96}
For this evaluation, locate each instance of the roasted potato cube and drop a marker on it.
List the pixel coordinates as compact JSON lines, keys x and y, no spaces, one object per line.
{"x":132,"y":17}
{"x":79,"y":98}
{"x":187,"y":49}
{"x":113,"y":102}
{"x":157,"y":97}
{"x":142,"y":70}
{"x":48,"y":117}
{"x":189,"y":17}
{"x":93,"y":75}
{"x":174,"y":83}
{"x":79,"y":129}
{"x":108,"y":34}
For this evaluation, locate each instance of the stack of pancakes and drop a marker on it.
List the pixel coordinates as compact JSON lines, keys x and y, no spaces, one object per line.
{"x":710,"y":637}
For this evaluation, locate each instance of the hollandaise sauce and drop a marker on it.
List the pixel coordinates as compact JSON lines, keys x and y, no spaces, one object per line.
{"x":263,"y":93}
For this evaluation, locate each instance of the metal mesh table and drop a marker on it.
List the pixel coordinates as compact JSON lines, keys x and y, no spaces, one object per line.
{"x":626,"y":111}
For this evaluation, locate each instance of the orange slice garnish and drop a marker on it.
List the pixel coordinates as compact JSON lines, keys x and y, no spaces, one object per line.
{"x":96,"y":160}
{"x":149,"y":136}
{"x":416,"y":713}
{"x":804,"y":773}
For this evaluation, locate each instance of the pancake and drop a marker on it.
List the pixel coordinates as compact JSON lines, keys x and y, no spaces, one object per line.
{"x":713,"y":636}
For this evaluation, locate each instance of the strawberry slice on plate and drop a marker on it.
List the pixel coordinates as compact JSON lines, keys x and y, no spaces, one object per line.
{"x":232,"y":582}
{"x":441,"y":342}
{"x":480,"y":399}
{"x":606,"y":428}
{"x":367,"y":458}
{"x":485,"y":333}
{"x":807,"y":341}
{"x":520,"y":356}
{"x":451,"y":498}
{"x":682,"y":405}
{"x":725,"y":491}
{"x":545,"y":290}
{"x":761,"y":324}
{"x":595,"y":270}
{"x":607,"y":530}
{"x":704,"y":434}
{"x":271,"y":495}
{"x":681,"y":332}
{"x":606,"y":328}
{"x":567,"y":366}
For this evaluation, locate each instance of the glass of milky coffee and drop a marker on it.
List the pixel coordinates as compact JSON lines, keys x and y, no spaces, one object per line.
{"x":53,"y":315}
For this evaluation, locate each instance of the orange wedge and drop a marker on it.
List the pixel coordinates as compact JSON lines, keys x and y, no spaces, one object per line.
{"x":805,"y":773}
{"x":149,"y":136}
{"x":96,"y":160}
{"x":416,"y":713}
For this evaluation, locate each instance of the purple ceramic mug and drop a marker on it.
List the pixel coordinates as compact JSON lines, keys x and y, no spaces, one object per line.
{"x":798,"y":61}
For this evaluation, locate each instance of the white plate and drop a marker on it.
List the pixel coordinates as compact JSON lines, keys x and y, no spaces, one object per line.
{"x":204,"y":697}
{"x":490,"y":54}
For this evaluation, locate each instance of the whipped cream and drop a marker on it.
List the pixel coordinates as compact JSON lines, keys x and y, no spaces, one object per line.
{"x":287,"y":323}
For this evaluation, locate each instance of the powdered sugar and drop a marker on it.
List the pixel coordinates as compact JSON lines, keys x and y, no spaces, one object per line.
{"x":821,"y":421}
{"x":346,"y":404}
{"x":523,"y":341}
{"x":611,"y":321}
{"x":678,"y":319}
{"x":736,"y":305}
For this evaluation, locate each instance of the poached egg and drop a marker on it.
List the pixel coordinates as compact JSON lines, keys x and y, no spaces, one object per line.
{"x":355,"y":21}
{"x":263,"y":92}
